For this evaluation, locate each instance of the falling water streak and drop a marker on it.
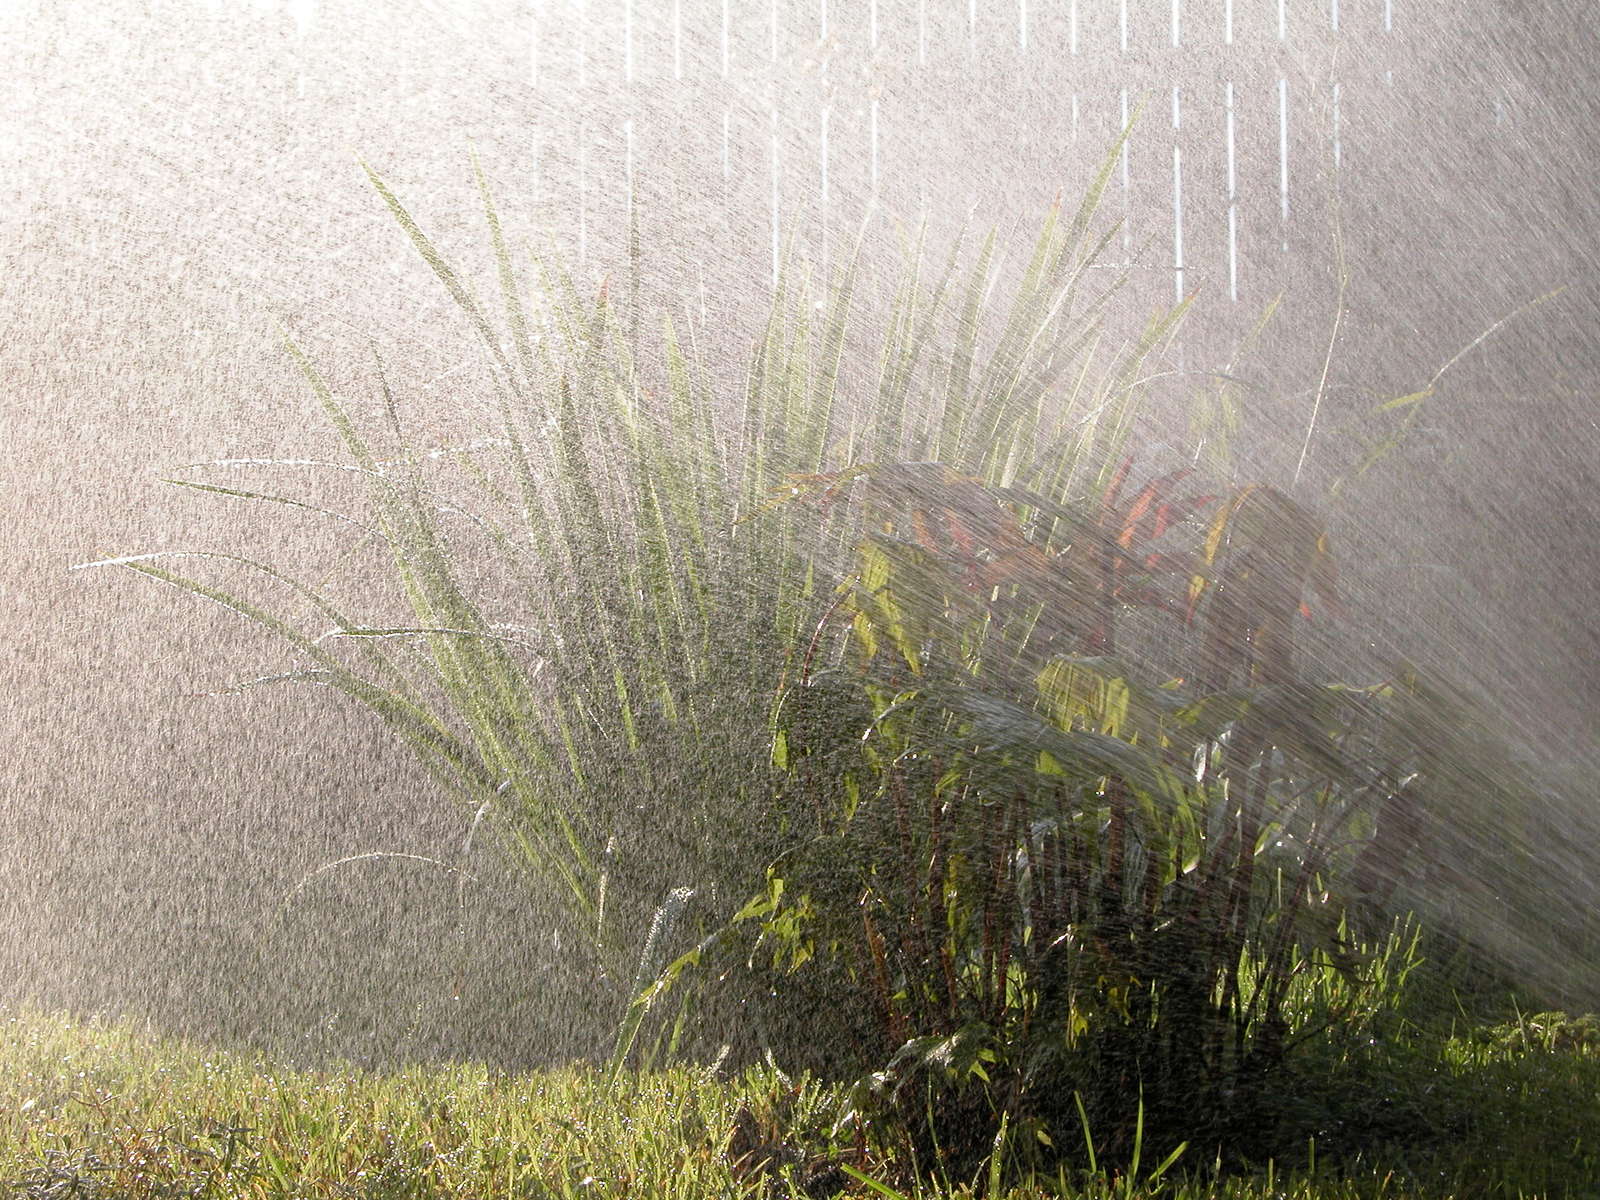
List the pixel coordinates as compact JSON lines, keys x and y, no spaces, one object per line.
{"x":533,"y":46}
{"x":677,"y":40}
{"x":627,"y":134}
{"x":1233,"y":207}
{"x":872,"y":22}
{"x":535,"y":184}
{"x":1177,"y":7}
{"x":774,"y":22}
{"x":1283,"y":20}
{"x":1283,"y":154}
{"x":1177,"y":203}
{"x":1022,"y":25}
{"x":305,"y":14}
{"x":1127,"y":184}
{"x":583,"y":197}
{"x":1333,"y":14}
{"x":775,"y":232}
{"x":874,"y":126}
{"x":823,"y":189}
{"x":1123,"y":9}
{"x":922,"y":33}
{"x":1227,"y":22}
{"x":727,"y":113}
{"x":823,"y":140}
{"x":822,"y":24}
{"x":1072,"y":19}
{"x":972,"y":26}
{"x":1338,"y":156}
{"x":1388,"y":27}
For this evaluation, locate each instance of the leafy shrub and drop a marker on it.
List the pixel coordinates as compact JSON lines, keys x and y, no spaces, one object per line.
{"x":1061,"y":875}
{"x":601,"y":604}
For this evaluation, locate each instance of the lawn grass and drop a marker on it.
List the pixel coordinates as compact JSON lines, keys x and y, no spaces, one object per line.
{"x":101,"y":1108}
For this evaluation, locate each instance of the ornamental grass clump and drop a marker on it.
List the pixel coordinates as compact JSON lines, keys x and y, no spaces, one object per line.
{"x":606,"y":706}
{"x":902,"y":730}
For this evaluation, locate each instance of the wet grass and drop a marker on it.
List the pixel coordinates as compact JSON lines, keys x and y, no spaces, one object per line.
{"x":96,"y":1108}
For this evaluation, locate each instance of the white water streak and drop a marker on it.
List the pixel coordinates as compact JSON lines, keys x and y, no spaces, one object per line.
{"x":1283,"y":154}
{"x":1338,"y":156}
{"x":874,"y":121}
{"x":776,"y":252}
{"x":533,"y":47}
{"x":1177,"y":202}
{"x":1233,"y":206}
{"x":1127,"y":183}
{"x":823,"y":154}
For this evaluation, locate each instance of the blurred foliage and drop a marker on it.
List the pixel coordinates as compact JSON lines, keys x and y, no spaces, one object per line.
{"x":1099,"y":839}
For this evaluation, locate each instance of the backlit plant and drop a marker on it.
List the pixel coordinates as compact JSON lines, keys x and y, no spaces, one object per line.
{"x":1091,"y":844}
{"x":1038,"y":804}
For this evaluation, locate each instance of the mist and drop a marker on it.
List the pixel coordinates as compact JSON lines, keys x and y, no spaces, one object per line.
{"x":184,"y":185}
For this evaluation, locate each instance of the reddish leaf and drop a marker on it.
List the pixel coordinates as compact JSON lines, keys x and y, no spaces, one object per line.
{"x":1025,"y":565}
{"x":1147,"y":504}
{"x":960,"y":535}
{"x":1114,"y":488}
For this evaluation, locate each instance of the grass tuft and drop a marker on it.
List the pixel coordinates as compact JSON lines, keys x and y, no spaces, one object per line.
{"x":97,"y":1108}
